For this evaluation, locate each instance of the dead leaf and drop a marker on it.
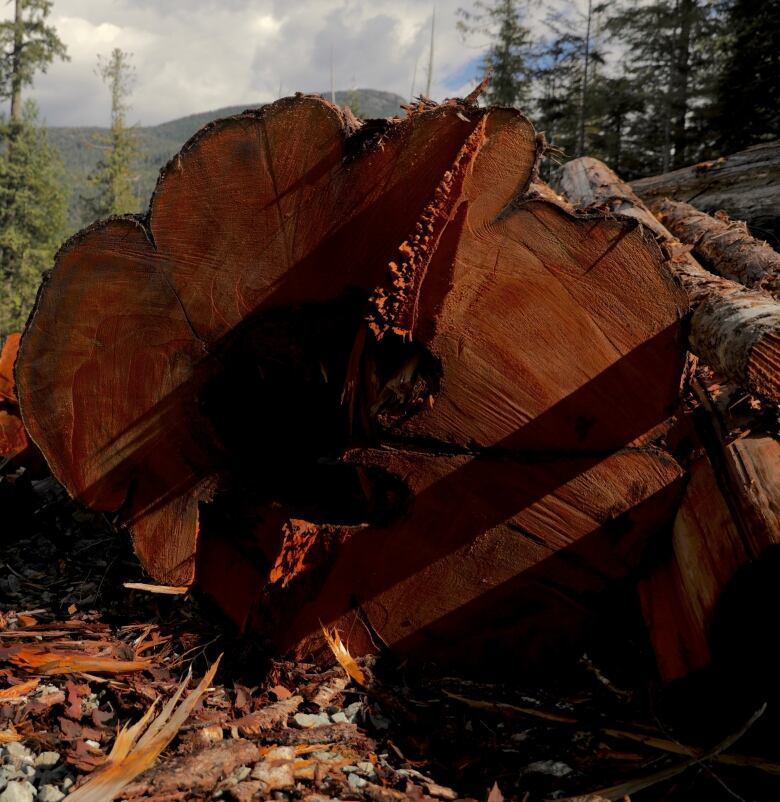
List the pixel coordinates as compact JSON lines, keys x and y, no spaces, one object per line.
{"x":137,"y":747}
{"x":341,"y":653}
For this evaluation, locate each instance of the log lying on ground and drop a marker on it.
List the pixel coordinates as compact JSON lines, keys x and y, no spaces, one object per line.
{"x":734,"y":329}
{"x":724,"y":245}
{"x":728,"y":525}
{"x":745,"y":184}
{"x":369,"y":378}
{"x":13,"y":438}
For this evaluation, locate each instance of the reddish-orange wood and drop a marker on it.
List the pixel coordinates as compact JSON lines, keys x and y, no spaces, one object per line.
{"x":13,"y":438}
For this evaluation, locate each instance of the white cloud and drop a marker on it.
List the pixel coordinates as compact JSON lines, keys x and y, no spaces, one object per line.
{"x":194,"y":55}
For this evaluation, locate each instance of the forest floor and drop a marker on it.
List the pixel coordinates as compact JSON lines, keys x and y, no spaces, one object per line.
{"x":270,"y":729}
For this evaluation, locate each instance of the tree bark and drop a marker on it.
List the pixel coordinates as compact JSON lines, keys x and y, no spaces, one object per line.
{"x":724,"y":245}
{"x":16,"y":75}
{"x":370,"y":379}
{"x":734,"y":329}
{"x":745,"y":184}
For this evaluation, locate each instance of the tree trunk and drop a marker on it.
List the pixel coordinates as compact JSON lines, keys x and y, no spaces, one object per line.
{"x":734,"y":329}
{"x":725,"y":246}
{"x":372,"y":380}
{"x":681,"y":68}
{"x":16,"y":67}
{"x":745,"y":184}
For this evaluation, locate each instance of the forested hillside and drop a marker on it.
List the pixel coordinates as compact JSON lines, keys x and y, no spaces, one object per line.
{"x":80,"y":147}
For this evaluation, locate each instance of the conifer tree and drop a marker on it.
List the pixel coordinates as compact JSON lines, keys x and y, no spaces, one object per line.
{"x":113,"y":178}
{"x":748,"y":109}
{"x":27,"y":45}
{"x":32,"y":200}
{"x":33,"y":208}
{"x":509,"y":56}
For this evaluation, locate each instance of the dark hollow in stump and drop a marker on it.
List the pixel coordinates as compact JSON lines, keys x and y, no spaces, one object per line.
{"x":368,"y":378}
{"x":13,"y":438}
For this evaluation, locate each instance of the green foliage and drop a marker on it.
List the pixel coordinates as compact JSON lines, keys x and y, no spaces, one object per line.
{"x":27,"y":45}
{"x":748,"y":109}
{"x":509,"y":55}
{"x":671,"y":49}
{"x":32,"y":214}
{"x":113,"y":179}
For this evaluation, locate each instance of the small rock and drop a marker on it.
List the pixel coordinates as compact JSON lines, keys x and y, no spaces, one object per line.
{"x":366,"y":767}
{"x":93,"y":744}
{"x":67,"y":782}
{"x":242,"y":773}
{"x":339,"y":718}
{"x":18,"y":751}
{"x":552,"y":767}
{"x":308,"y":720}
{"x":49,"y":793}
{"x":47,"y":760}
{"x":18,"y":792}
{"x":274,"y":777}
{"x":355,"y":781}
{"x":352,"y":711}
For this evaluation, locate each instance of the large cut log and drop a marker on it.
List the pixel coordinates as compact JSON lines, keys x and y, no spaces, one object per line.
{"x":370,"y":377}
{"x":728,"y":524}
{"x":735,"y":329}
{"x":744,"y":184}
{"x":724,"y":245}
{"x":13,"y":438}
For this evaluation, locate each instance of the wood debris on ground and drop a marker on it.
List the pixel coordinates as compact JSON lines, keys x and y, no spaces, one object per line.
{"x":271,"y":729}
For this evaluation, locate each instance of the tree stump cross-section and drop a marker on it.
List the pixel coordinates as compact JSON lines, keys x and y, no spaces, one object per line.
{"x":365,"y":375}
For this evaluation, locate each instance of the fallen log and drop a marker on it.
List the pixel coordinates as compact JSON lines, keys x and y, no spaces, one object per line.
{"x":370,"y":380}
{"x":734,"y":329}
{"x":695,"y":604}
{"x":746,"y":184}
{"x":725,"y":246}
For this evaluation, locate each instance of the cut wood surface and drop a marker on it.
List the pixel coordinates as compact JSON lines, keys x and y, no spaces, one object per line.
{"x":745,"y":184}
{"x":724,"y":245}
{"x":370,"y":375}
{"x":13,"y":438}
{"x":735,"y":329}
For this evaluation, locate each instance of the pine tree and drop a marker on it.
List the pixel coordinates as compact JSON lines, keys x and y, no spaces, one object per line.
{"x":33,"y":208}
{"x":32,"y":200}
{"x":748,"y":109}
{"x":671,"y":49}
{"x":113,"y":177}
{"x":27,"y":45}
{"x":509,"y":56}
{"x":566,"y":73}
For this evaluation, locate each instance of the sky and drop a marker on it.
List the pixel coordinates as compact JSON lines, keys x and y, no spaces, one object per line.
{"x":198,"y":55}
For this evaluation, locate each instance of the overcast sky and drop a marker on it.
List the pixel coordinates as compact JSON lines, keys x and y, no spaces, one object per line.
{"x":197,"y":55}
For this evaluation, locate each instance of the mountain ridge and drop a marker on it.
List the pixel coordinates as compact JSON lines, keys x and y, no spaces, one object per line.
{"x":79,"y":147}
